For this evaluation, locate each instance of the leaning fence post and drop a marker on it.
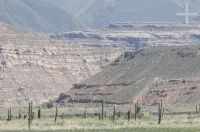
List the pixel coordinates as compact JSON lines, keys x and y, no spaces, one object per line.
{"x":129,"y":114}
{"x":20,"y":115}
{"x":196,"y":109}
{"x":9,"y":114}
{"x":102,"y":111}
{"x":31,"y":111}
{"x":39,"y":113}
{"x":29,"y":116}
{"x":160,"y":109}
{"x":56,"y":114}
{"x":114,"y":113}
{"x":85,"y":113}
{"x":135,"y":111}
{"x":99,"y":115}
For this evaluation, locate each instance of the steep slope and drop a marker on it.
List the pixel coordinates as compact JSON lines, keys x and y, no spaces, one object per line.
{"x":104,"y":12}
{"x":171,"y":73}
{"x":37,"y":15}
{"x":34,"y":67}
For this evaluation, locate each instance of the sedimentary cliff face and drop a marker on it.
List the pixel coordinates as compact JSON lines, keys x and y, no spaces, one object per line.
{"x":36,"y":68}
{"x":140,"y":35}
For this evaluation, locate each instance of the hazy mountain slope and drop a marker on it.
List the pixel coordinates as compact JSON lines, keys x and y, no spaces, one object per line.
{"x":37,"y":15}
{"x":171,"y":73}
{"x":103,"y":12}
{"x":67,"y":15}
{"x":58,"y":18}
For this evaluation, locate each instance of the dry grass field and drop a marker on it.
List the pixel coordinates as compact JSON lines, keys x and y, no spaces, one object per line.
{"x":74,"y":121}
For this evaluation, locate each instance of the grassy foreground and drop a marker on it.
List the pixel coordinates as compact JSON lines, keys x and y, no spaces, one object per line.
{"x":145,"y":123}
{"x":123,"y":130}
{"x":182,"y":123}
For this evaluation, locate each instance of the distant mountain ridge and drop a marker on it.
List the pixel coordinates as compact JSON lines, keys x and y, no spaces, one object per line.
{"x":67,"y":15}
{"x":103,"y":12}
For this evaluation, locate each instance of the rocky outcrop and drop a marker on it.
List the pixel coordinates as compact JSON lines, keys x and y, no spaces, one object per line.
{"x":172,"y":92}
{"x":149,"y":26}
{"x":139,"y":35}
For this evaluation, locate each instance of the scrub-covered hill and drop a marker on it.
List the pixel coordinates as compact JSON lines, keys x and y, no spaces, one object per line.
{"x":170,"y":73}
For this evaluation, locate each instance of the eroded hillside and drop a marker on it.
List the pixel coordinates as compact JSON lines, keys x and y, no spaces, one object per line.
{"x":36,"y":68}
